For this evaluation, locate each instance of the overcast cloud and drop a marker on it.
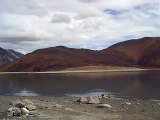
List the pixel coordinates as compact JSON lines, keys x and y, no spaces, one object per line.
{"x":27,"y":25}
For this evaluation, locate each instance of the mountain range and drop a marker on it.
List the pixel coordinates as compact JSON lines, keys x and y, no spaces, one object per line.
{"x":144,"y":52}
{"x":8,"y":55}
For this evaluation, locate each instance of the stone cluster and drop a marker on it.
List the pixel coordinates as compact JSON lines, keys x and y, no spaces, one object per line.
{"x":21,"y":108}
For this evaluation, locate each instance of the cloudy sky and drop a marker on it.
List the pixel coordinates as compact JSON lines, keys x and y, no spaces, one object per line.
{"x":26,"y":25}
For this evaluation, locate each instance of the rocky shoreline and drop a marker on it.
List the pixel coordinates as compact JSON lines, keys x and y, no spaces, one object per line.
{"x":73,"y":108}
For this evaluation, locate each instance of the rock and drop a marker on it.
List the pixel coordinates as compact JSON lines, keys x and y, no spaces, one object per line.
{"x":68,"y":109}
{"x":27,"y":102}
{"x":106,"y":96}
{"x":33,"y":113}
{"x":15,"y":102}
{"x":82,"y":100}
{"x":142,"y":110}
{"x":58,"y":106}
{"x":31,"y":107}
{"x":24,"y":111}
{"x":127,"y":103}
{"x":8,"y":114}
{"x":109,"y":96}
{"x":103,"y":96}
{"x":2,"y":116}
{"x":93,"y":100}
{"x":20,"y":105}
{"x":137,"y":103}
{"x":13,"y":111}
{"x":17,"y":112}
{"x":104,"y":106}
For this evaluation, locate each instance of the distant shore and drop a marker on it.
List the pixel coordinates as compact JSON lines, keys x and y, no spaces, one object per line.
{"x":88,"y":70}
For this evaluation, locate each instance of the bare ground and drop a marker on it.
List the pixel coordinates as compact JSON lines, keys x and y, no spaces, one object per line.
{"x":66,"y":108}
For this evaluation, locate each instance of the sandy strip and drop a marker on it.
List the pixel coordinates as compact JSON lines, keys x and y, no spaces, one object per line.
{"x":83,"y":71}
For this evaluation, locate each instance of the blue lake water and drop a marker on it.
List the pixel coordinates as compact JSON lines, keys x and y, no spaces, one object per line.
{"x":143,"y":85}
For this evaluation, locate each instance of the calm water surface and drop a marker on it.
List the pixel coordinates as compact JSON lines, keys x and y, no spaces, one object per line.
{"x":144,"y":85}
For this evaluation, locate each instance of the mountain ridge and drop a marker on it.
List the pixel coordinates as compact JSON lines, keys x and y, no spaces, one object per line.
{"x":143,"y":52}
{"x":8,"y":55}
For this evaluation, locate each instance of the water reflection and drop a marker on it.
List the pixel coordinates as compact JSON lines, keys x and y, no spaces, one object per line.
{"x":136,"y":84}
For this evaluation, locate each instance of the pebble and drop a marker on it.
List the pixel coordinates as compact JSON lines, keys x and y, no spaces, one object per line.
{"x":58,"y":106}
{"x":127,"y":103}
{"x":104,"y":106}
{"x":68,"y":109}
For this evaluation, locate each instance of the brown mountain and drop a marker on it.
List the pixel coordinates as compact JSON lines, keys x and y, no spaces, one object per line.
{"x":8,"y":55}
{"x":144,"y":52}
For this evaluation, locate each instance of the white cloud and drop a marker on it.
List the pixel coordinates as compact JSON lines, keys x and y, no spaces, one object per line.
{"x":89,"y":12}
{"x":32,"y":24}
{"x":90,"y":1}
{"x":124,"y":4}
{"x":61,"y":18}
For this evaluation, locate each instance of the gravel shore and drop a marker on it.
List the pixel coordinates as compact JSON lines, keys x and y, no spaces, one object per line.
{"x":67,"y":108}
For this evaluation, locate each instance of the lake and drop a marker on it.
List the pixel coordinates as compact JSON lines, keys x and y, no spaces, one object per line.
{"x":143,"y":85}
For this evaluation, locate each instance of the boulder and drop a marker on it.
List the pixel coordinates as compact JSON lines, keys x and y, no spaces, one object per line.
{"x":24,"y":111}
{"x":31,"y":107}
{"x":8,"y":114}
{"x":20,"y":105}
{"x":13,"y":111}
{"x":82,"y":100}
{"x":27,"y":102}
{"x":104,"y":106}
{"x":15,"y":102}
{"x":93,"y":100}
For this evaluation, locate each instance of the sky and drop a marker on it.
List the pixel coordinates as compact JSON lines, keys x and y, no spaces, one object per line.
{"x":27,"y":25}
